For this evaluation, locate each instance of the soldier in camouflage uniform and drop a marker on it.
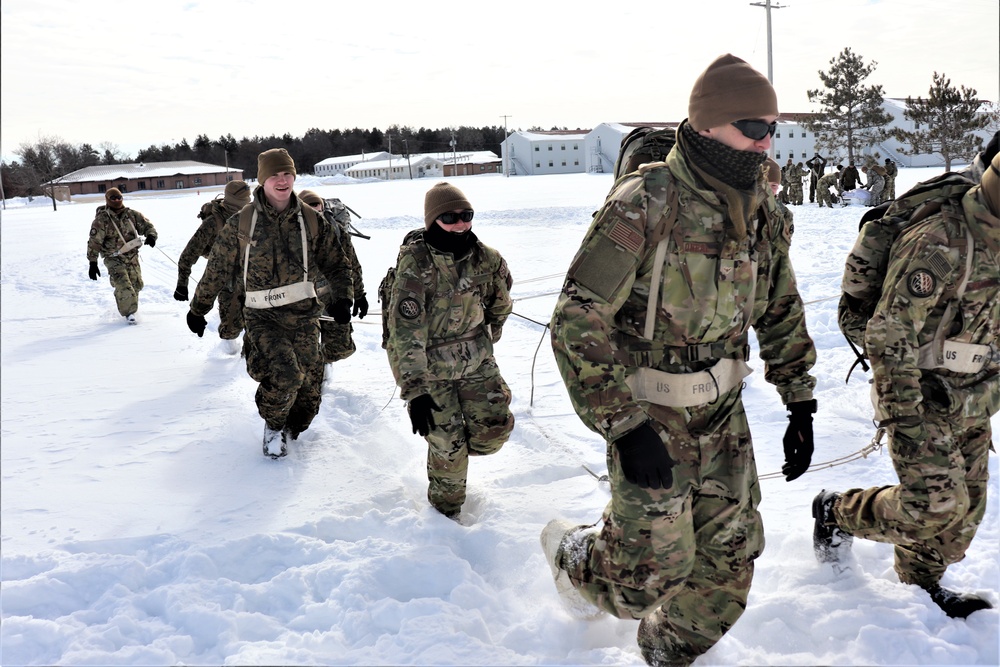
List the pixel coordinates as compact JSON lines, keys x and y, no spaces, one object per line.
{"x":823,"y":194}
{"x":891,"y":170}
{"x":933,"y":348}
{"x":651,"y":337}
{"x":278,"y":250}
{"x":114,"y":235}
{"x":817,"y":165}
{"x":446,"y":310}
{"x":795,"y":175}
{"x":337,"y":340}
{"x":213,"y":217}
{"x":875,"y":185}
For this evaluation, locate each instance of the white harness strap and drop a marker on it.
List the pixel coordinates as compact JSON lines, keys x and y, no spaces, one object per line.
{"x":286,"y":294}
{"x":131,"y":245}
{"x":684,"y":390}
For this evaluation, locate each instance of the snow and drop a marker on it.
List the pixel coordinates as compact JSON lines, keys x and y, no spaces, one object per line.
{"x":142,"y":525}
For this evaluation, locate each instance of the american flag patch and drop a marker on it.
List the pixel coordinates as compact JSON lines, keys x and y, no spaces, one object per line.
{"x":626,"y":236}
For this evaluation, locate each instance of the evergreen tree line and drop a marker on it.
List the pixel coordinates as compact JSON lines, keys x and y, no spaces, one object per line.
{"x":850,"y":119}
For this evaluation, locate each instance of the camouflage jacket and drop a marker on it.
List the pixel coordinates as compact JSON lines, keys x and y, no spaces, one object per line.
{"x":275,"y":260}
{"x":203,"y":239}
{"x":711,"y":285}
{"x":104,"y":238}
{"x":927,"y":261}
{"x":831,"y":180}
{"x":445,"y":313}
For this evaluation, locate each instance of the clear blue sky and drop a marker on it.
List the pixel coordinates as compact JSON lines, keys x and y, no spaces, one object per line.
{"x":136,"y":74}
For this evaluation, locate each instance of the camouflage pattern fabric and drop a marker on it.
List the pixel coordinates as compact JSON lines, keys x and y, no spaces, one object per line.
{"x":200,"y":245}
{"x":281,"y":344}
{"x":891,"y":171}
{"x":940,"y":436}
{"x":690,"y":546}
{"x":876,"y":186}
{"x":338,"y":341}
{"x":475,"y":420}
{"x":445,"y":314}
{"x":823,"y":195}
{"x":795,"y":190}
{"x":124,"y":272}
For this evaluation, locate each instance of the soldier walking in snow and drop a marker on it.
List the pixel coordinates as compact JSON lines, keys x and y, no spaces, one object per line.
{"x":651,"y":338}
{"x":277,"y":250}
{"x":446,"y":308}
{"x":114,"y":234}
{"x":337,"y":339}
{"x":213,"y":217}
{"x":932,"y":344}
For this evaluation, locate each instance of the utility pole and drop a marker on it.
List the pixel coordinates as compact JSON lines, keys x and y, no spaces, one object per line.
{"x":454,"y":157}
{"x":506,"y":152}
{"x":768,"y":7}
{"x":389,"y":170}
{"x":406,"y":149}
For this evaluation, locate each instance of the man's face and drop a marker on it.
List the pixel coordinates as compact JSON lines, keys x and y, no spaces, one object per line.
{"x":278,"y":189}
{"x":729,"y":135}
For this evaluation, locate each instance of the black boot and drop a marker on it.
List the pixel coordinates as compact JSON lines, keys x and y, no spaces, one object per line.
{"x":956,"y":605}
{"x":829,"y":541}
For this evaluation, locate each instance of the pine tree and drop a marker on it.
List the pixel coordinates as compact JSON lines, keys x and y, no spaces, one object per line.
{"x":944,"y":122}
{"x":851,"y":116}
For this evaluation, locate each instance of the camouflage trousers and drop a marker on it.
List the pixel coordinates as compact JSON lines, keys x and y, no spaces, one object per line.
{"x":337,"y":341}
{"x":933,"y":513}
{"x":289,"y":367}
{"x":230,"y":315}
{"x":825,"y":196}
{"x":875,"y":194}
{"x":475,"y":420}
{"x":889,"y":191}
{"x":680,"y":559}
{"x":126,"y":279}
{"x":795,"y":193}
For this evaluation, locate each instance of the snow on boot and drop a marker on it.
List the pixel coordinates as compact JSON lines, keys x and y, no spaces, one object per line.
{"x":130,"y":319}
{"x":274,"y":442}
{"x":955,"y":604}
{"x":232,"y":346}
{"x":829,"y":542}
{"x":559,"y":537}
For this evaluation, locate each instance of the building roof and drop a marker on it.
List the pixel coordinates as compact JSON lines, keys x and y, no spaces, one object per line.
{"x":113,"y":172}
{"x":361,"y":157}
{"x":554,"y":135}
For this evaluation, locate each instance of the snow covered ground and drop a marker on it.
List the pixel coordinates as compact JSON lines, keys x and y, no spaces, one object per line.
{"x":141,"y":525}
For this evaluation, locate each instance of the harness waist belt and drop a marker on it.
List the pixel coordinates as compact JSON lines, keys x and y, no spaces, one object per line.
{"x":957,"y":357}
{"x":281,"y":296}
{"x":131,"y":245}
{"x":684,"y":390}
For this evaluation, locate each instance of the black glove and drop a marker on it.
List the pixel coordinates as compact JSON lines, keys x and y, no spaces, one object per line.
{"x":151,"y":241}
{"x":196,"y":323}
{"x":421,"y":417}
{"x":644,"y":458}
{"x":798,"y":440}
{"x":181,"y":293}
{"x":340,"y":311}
{"x":360,"y":306}
{"x":94,"y":271}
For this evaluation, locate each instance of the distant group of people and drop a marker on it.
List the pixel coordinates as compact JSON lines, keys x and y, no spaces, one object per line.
{"x":651,"y":337}
{"x":827,"y":188}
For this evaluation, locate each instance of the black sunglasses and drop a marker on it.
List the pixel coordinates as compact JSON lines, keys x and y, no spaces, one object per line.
{"x":115,"y":198}
{"x":450,"y":218}
{"x":755,"y":129}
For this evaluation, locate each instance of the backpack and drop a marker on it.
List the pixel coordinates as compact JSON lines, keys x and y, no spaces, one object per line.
{"x":868,"y":261}
{"x":643,"y":144}
{"x":414,"y":238}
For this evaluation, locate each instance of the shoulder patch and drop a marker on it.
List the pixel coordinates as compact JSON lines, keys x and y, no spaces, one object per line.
{"x":921,"y":283}
{"x":626,"y":236}
{"x":409,"y":308}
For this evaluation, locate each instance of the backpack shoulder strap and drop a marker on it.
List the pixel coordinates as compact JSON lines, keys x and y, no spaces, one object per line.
{"x":661,"y":215}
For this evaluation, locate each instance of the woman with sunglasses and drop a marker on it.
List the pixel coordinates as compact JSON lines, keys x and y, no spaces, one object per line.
{"x":445,"y":309}
{"x":651,"y":337}
{"x":114,"y":234}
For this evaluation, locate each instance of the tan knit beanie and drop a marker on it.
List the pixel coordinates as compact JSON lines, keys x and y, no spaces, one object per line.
{"x":729,"y":89}
{"x":773,"y":171}
{"x":310,"y":197}
{"x":237,"y":195}
{"x":442,"y":198}
{"x":991,"y":186}
{"x":273,"y":161}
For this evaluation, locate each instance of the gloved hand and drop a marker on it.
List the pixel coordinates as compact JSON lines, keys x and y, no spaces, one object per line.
{"x":798,"y":440}
{"x":150,"y":241}
{"x":340,"y":311}
{"x":196,"y":323}
{"x":644,"y":458}
{"x":360,"y":307}
{"x":94,"y":271}
{"x":181,"y":293}
{"x":421,"y":417}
